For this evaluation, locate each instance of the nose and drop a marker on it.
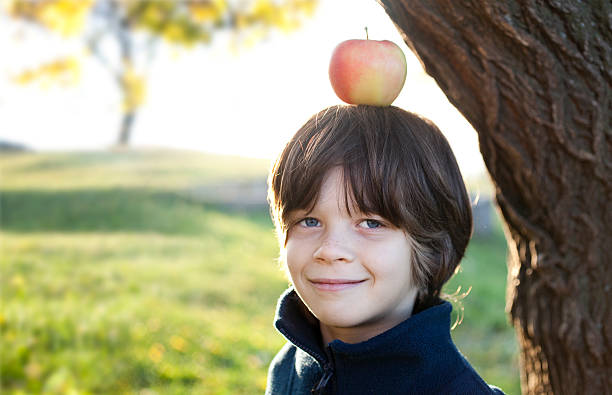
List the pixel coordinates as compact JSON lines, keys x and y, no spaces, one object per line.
{"x":334,"y":248}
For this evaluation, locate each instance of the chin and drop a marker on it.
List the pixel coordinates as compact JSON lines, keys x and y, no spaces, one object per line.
{"x":341,"y":320}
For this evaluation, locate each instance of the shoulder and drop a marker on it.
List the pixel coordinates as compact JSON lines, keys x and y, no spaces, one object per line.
{"x":292,"y":371}
{"x":469,"y":382}
{"x":280,"y":371}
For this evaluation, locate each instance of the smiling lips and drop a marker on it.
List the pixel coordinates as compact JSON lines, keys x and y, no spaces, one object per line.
{"x":334,"y":284}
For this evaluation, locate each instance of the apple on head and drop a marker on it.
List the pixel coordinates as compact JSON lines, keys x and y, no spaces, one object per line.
{"x":367,"y":71}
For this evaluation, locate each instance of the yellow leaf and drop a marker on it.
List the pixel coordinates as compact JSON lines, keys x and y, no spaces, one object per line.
{"x":66,"y":17}
{"x":134,"y":89}
{"x":173,"y":32}
{"x":178,"y":343}
{"x":208,"y":10}
{"x":156,"y":352}
{"x":65,"y":71}
{"x":17,"y":281}
{"x":253,"y":23}
{"x":153,"y":14}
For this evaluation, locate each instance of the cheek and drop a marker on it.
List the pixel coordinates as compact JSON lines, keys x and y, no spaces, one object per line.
{"x":294,"y":256}
{"x":282,"y":262}
{"x":392,"y":261}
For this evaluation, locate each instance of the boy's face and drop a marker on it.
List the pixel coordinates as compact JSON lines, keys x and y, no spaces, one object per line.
{"x":352,"y":271}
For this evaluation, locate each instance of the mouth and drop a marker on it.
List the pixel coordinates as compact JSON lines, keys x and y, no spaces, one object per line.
{"x":334,"y":284}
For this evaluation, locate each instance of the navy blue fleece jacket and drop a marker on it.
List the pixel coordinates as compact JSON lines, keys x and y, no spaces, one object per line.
{"x":415,"y":357}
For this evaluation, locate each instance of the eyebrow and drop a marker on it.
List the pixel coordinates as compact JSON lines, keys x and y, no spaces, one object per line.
{"x":297,"y":212}
{"x":353,"y":212}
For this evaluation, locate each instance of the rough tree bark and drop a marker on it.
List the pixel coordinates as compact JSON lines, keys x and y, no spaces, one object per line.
{"x":534,"y":79}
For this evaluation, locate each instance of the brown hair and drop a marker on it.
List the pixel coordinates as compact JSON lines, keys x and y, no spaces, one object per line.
{"x":395,"y":164}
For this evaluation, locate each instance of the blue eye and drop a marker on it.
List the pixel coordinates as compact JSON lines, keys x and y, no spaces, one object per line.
{"x":370,"y":224}
{"x":310,"y":222}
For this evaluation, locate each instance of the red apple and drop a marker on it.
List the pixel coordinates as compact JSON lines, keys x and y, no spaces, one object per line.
{"x":367,"y":71}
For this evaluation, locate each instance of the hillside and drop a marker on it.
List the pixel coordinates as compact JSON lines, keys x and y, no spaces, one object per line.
{"x":121,"y":273}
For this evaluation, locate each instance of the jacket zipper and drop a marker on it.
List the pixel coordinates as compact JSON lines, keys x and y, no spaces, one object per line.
{"x":328,"y":368}
{"x":328,"y":372}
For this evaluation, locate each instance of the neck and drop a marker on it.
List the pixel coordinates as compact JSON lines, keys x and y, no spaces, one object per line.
{"x":364,"y":331}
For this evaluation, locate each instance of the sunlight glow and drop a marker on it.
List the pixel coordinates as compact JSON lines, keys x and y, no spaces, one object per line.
{"x":211,"y":99}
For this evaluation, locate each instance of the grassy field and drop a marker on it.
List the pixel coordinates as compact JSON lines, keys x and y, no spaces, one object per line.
{"x":114,"y":281}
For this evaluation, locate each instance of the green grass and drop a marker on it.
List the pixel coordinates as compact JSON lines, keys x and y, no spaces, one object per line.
{"x":112,"y":281}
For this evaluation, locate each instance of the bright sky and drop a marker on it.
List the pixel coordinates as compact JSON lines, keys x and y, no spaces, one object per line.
{"x":211,"y":99}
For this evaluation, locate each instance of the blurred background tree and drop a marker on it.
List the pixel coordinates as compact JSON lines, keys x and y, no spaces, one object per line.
{"x":124,"y":34}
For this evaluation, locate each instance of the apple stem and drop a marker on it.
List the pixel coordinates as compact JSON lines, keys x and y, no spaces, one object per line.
{"x":366,"y":29}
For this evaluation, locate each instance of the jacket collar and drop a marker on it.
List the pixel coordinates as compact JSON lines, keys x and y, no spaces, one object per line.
{"x":297,"y":324}
{"x":418,"y":348}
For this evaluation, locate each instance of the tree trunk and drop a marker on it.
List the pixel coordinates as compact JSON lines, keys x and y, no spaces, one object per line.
{"x":124,"y":39}
{"x":534,"y":79}
{"x":125,"y":129}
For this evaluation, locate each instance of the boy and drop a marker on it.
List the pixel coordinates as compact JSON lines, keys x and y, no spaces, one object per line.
{"x":372,"y":218}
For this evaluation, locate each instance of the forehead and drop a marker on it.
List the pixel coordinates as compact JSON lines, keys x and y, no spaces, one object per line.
{"x":335,"y":193}
{"x":333,"y":181}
